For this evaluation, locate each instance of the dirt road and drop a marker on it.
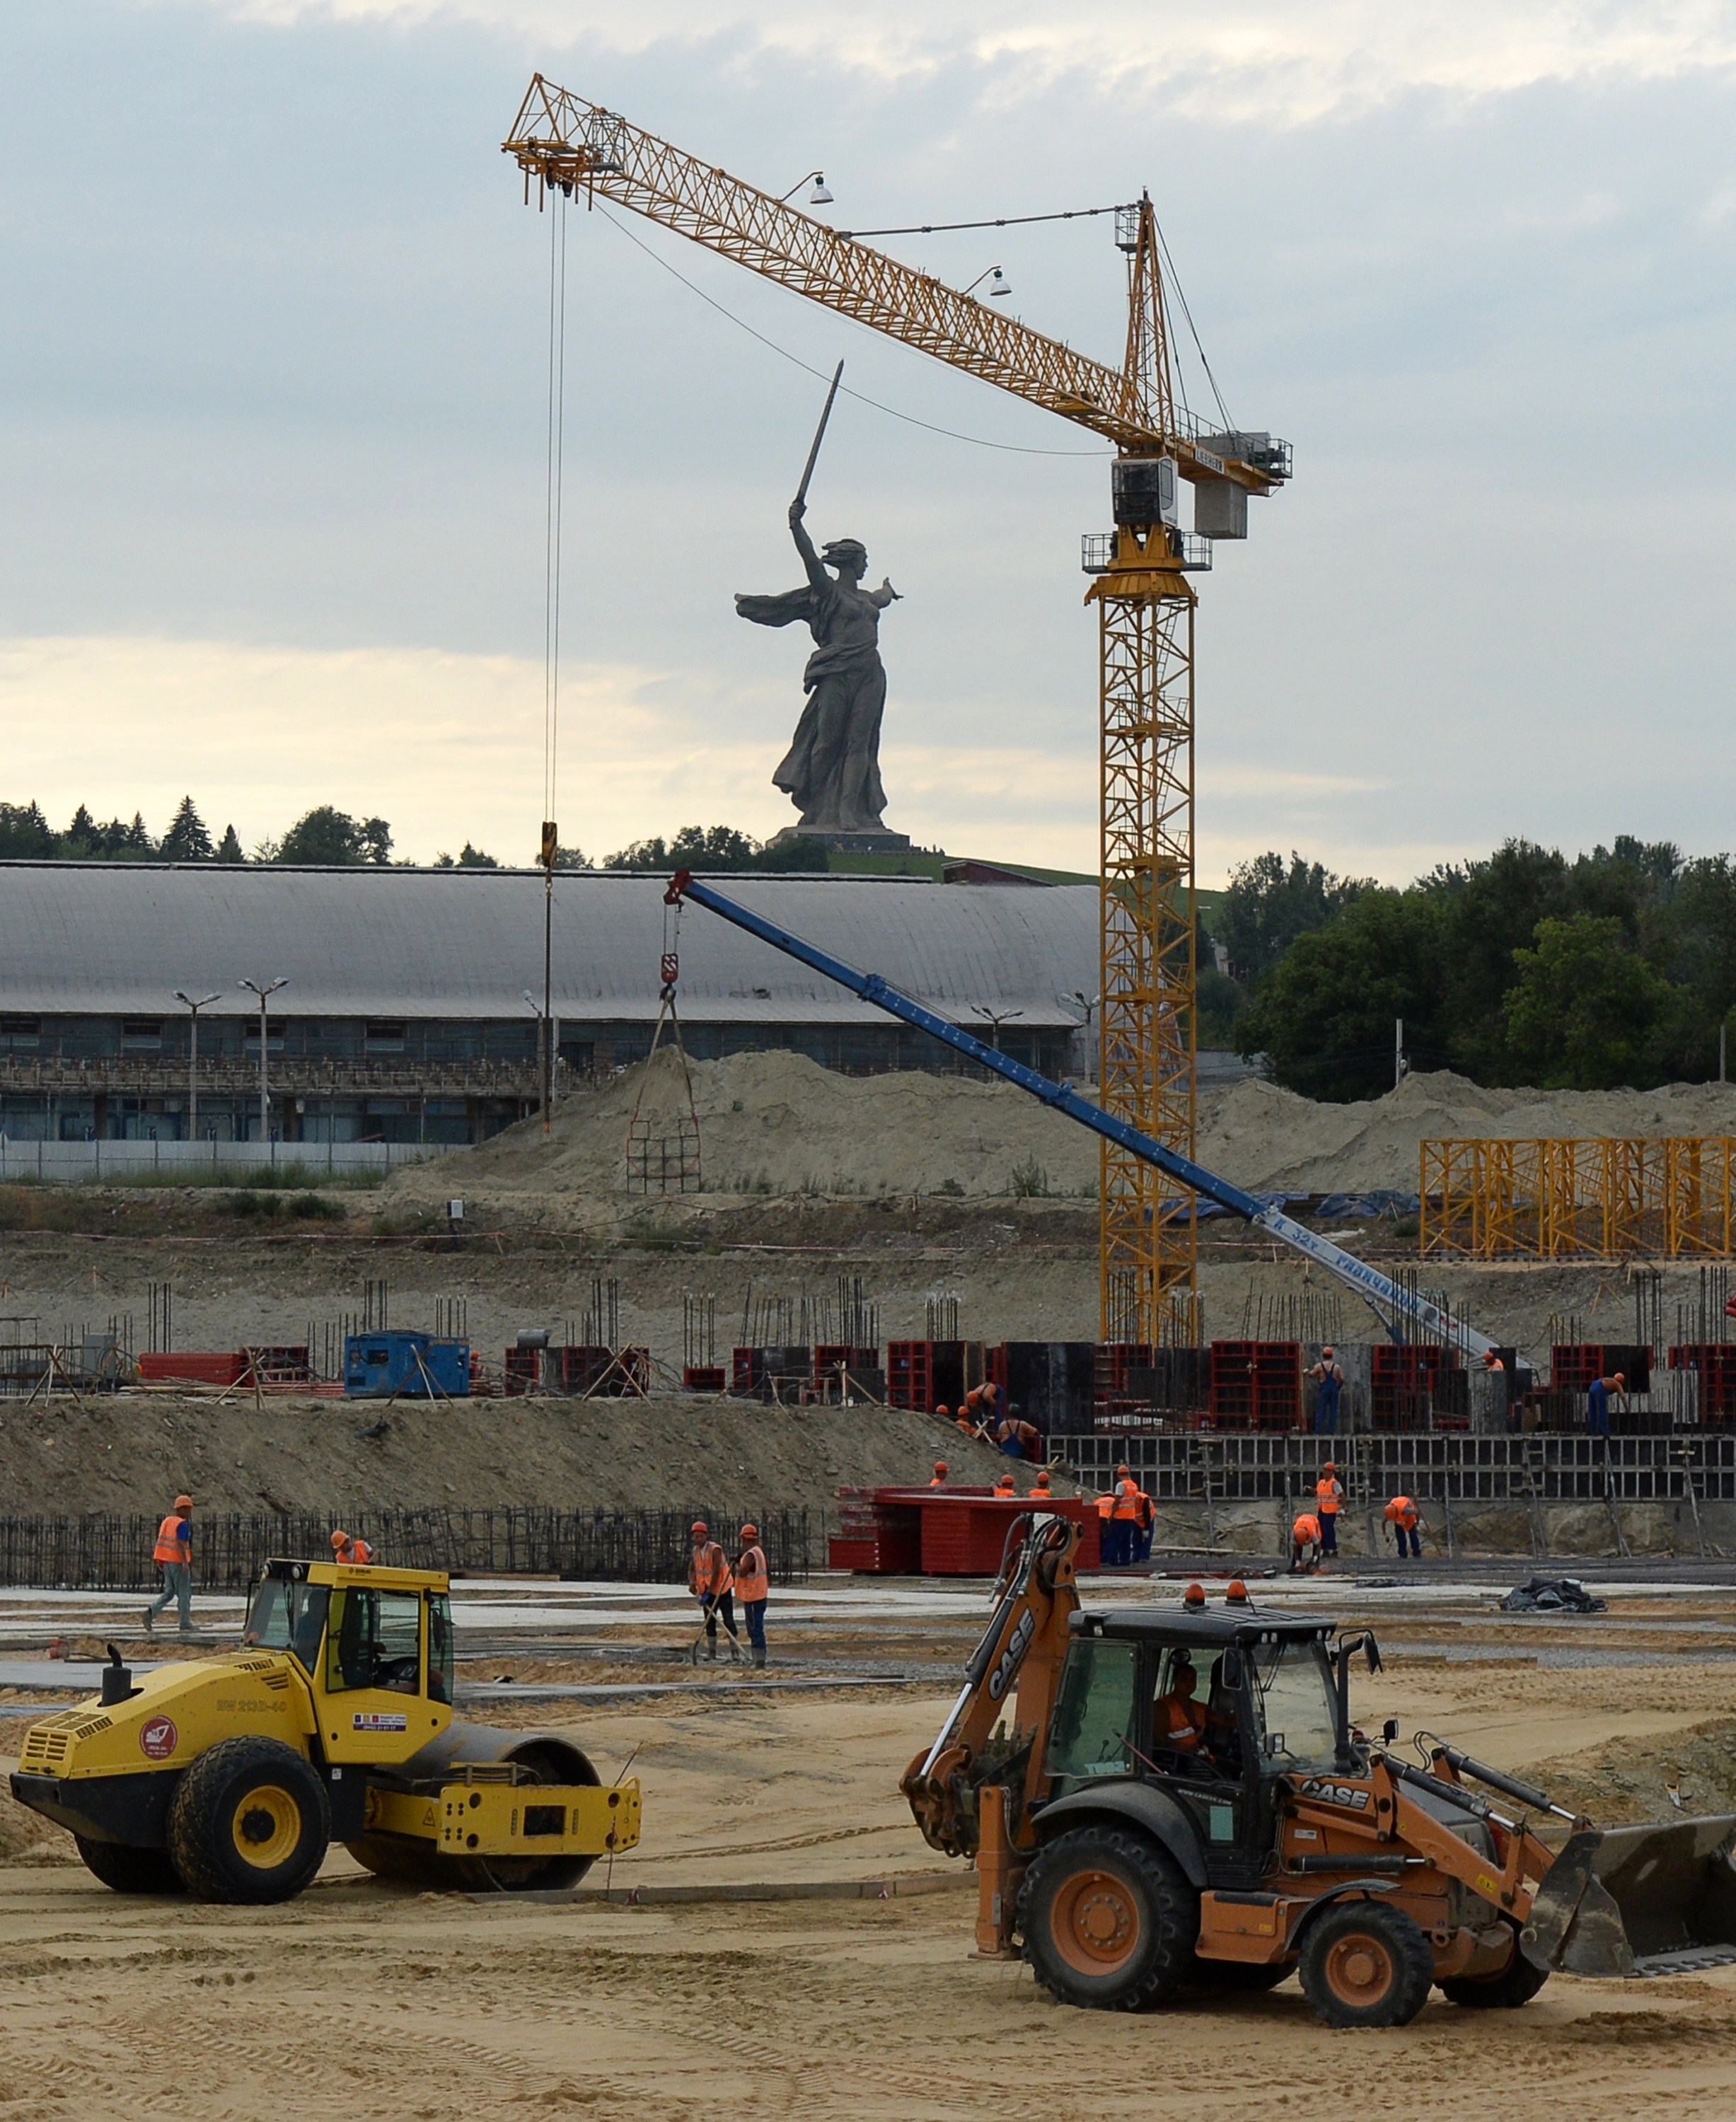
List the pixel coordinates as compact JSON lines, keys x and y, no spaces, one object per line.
{"x":370,"y":2003}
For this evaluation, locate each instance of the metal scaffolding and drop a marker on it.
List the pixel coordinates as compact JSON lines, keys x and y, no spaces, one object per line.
{"x":1655,"y":1197}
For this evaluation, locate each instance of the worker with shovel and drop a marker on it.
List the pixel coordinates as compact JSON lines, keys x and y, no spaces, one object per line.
{"x":711,"y":1583}
{"x":1305,"y":1545}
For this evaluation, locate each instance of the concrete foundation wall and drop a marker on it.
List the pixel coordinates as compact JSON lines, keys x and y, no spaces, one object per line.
{"x":1560,"y":1531}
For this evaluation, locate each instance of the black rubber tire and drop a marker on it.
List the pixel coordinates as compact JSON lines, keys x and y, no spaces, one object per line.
{"x":1401,"y":1967}
{"x":210,"y":1817}
{"x":1127,"y":1881}
{"x":1244,"y":1977}
{"x":130,"y":1870}
{"x":1517,"y":1983}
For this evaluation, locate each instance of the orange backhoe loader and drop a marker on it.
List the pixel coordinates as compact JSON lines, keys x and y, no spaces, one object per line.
{"x":1161,"y":1797}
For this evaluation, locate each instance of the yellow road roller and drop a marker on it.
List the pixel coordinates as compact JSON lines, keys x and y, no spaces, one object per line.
{"x":229,"y":1778}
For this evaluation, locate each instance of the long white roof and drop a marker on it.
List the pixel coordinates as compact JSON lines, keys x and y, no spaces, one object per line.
{"x":98,"y":939}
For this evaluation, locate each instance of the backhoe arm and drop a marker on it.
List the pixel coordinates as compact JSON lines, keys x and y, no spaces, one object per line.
{"x":1021,"y":1649}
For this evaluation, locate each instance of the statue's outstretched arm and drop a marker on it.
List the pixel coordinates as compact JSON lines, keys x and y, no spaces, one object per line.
{"x":818,"y":576}
{"x":885,"y":595}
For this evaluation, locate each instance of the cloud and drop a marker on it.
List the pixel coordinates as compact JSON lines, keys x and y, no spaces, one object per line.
{"x":1245,"y":61}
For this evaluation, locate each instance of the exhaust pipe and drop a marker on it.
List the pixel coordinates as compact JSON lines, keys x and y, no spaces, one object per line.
{"x":1638,"y":1901}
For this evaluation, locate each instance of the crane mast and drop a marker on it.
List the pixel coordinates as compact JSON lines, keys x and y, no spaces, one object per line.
{"x":1145,"y":609}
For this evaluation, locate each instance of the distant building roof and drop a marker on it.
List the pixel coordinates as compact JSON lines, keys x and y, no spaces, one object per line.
{"x":98,"y":938}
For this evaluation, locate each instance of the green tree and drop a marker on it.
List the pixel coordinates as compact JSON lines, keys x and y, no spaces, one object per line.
{"x":1324,"y":1014}
{"x":717,"y":848}
{"x":1269,"y":904}
{"x":25,"y":834}
{"x":327,"y":838}
{"x":1588,"y":1013}
{"x":474,"y":859}
{"x":188,"y":838}
{"x":229,"y":847}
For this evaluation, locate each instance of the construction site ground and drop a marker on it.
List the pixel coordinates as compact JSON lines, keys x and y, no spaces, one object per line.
{"x":821,"y":1965}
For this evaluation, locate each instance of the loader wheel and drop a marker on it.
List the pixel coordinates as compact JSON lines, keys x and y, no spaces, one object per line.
{"x":249,"y":1822}
{"x":1366,"y":1965}
{"x":1517,"y":1983}
{"x":130,"y":1870}
{"x":1107,"y":1920}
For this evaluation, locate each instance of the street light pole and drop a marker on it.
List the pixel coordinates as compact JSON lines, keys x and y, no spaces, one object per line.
{"x":194,"y":1008}
{"x":270,"y":988}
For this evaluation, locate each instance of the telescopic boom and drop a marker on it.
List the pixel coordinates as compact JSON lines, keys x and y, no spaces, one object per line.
{"x":1402,"y":1307}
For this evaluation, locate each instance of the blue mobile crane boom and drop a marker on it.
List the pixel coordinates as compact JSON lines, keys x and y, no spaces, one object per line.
{"x":1405,"y":1312}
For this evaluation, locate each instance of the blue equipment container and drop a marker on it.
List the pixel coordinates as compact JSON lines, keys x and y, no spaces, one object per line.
{"x":412,"y":1366}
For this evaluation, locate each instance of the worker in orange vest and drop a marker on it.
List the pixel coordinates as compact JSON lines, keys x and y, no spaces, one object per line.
{"x":939,"y":1481}
{"x":1040,"y":1487}
{"x":173,"y":1555}
{"x":350,"y":1548}
{"x":753,"y":1581}
{"x":1005,"y":1486}
{"x":1129,"y":1518}
{"x":1178,"y":1717}
{"x":1305,"y":1544}
{"x":1402,"y":1515}
{"x":1106,"y":1531}
{"x":711,"y":1583}
{"x":1328,"y":1502}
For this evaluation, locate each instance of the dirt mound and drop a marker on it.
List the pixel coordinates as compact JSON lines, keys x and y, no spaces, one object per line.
{"x":774,"y":1124}
{"x":1263,"y":1137}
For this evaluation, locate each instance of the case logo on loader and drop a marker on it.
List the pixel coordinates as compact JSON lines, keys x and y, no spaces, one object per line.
{"x":1013,"y":1656}
{"x":1331,"y":1793}
{"x":158,"y":1738}
{"x":379,"y":1720}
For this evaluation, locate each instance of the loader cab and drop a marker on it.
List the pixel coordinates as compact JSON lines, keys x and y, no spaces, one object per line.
{"x":1267,"y":1705}
{"x":375,"y":1646}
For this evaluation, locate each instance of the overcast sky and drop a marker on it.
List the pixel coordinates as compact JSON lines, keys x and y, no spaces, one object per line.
{"x":271,"y":381}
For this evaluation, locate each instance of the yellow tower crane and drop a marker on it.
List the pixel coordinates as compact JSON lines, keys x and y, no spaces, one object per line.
{"x":1145,"y":608}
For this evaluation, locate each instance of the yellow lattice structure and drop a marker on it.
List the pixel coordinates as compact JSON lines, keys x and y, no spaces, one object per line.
{"x":1611,"y":1197}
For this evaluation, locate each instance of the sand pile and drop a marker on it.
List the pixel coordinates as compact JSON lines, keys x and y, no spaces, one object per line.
{"x":778,"y":1123}
{"x":1262,"y":1137}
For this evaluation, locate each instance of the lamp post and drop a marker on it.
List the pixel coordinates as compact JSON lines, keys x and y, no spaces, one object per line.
{"x":995,"y":1019}
{"x":193,"y":1009}
{"x":270,"y":988}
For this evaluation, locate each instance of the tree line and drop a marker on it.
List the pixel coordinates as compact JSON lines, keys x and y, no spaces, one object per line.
{"x":1614,"y":969}
{"x":327,"y":837}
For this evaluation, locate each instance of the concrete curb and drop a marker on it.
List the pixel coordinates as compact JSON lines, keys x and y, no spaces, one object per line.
{"x":895,"y":1888}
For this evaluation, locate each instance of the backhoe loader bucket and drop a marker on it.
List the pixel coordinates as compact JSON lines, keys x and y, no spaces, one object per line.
{"x":1639,"y":1900}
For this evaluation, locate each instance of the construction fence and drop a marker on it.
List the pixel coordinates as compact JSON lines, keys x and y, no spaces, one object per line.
{"x":109,"y":1551}
{"x":1457,"y":1470}
{"x":1663,"y":1197}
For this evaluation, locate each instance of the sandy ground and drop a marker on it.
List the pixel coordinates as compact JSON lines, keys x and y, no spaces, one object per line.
{"x":375,"y":2003}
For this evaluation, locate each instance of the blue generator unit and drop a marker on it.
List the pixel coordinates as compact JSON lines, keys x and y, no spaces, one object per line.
{"x":405,"y":1365}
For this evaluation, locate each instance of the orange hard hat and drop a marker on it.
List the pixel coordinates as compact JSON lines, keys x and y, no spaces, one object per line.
{"x":1042,"y":1479}
{"x":940,"y":1465}
{"x":1123,"y":1468}
{"x":1327,"y":1349}
{"x":1621,"y":1377}
{"x":340,"y":1538}
{"x":698,"y":1526}
{"x":1330,"y":1467}
{"x":184,"y":1502}
{"x":749,"y":1532}
{"x":943,"y":1410}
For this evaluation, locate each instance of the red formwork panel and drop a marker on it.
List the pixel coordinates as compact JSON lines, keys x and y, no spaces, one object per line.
{"x":705,"y":1378}
{"x":227,"y":1367}
{"x":943,"y":1532}
{"x":909,"y":1375}
{"x":1716,"y":1360}
{"x":1257,"y":1384}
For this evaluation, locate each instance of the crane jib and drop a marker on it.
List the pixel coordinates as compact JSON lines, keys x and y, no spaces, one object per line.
{"x":1369,"y":1282}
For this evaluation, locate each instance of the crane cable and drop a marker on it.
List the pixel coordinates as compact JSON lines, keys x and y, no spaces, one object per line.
{"x":980,"y":441}
{"x":551,"y":634}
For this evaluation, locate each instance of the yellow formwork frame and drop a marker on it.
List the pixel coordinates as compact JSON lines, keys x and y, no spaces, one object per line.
{"x":1613,"y":1198}
{"x":1146,"y":1017}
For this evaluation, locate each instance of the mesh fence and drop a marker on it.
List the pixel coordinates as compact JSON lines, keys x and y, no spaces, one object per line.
{"x":109,"y":1551}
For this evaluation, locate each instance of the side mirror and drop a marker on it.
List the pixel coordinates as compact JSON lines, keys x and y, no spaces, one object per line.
{"x":1371,"y":1652}
{"x":1389,"y":1732}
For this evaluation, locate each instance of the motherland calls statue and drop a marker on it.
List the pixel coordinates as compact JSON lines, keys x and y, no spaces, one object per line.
{"x":831,"y":771}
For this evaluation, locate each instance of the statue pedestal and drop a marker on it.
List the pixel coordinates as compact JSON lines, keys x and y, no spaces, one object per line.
{"x":880,"y":843}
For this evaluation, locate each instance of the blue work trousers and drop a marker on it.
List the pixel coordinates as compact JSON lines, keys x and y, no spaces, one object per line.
{"x":177,"y":1587}
{"x":1329,"y":1532}
{"x":753,"y":1612}
{"x":1326,"y":1409}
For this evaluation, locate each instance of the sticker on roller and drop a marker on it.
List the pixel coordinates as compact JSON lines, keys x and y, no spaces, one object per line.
{"x":158,"y":1738}
{"x":379,"y":1720}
